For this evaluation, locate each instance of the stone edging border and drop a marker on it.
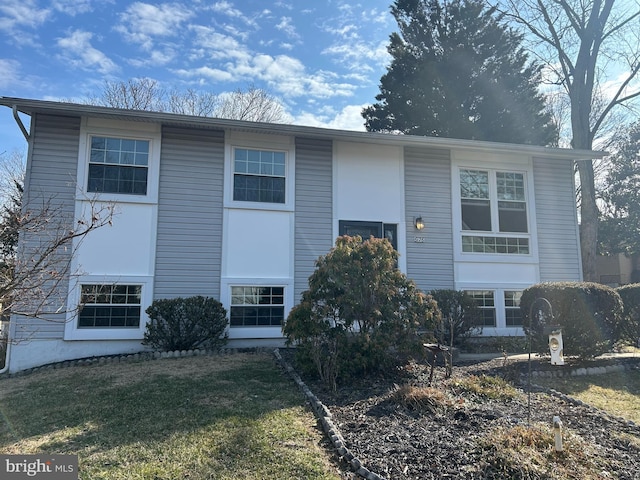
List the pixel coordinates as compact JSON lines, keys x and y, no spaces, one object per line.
{"x":325,"y":418}
{"x":134,"y":357}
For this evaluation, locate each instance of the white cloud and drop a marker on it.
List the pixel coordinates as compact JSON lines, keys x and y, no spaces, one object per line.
{"x":349,"y":118}
{"x":287,"y":28}
{"x":21,"y":13}
{"x":155,"y":58}
{"x":72,"y":7}
{"x":9,"y":72}
{"x":141,"y":22}
{"x":206,"y":74}
{"x":355,"y":55}
{"x":226,"y":8}
{"x":79,"y":52}
{"x":217,"y":45}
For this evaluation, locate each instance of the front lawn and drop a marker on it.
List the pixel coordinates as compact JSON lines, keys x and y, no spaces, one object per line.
{"x":222,"y":417}
{"x":616,"y":393}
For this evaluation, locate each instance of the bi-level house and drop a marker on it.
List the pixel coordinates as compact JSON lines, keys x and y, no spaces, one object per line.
{"x":240,"y":211}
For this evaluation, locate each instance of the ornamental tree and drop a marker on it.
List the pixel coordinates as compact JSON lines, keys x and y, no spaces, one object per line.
{"x":360,"y":313}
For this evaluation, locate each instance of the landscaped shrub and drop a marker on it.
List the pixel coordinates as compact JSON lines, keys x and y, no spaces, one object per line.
{"x":460,"y":316}
{"x":630,"y":328}
{"x":589,"y":314}
{"x":360,"y":313}
{"x":186,"y":323}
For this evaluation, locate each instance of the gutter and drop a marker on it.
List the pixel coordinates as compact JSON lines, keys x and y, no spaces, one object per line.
{"x":20,"y":124}
{"x":29,"y":107}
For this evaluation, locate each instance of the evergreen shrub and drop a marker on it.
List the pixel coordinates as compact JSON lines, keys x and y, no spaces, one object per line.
{"x":460,"y":316}
{"x":590,"y":315}
{"x":186,"y":324}
{"x":360,"y":314}
{"x":630,"y":328}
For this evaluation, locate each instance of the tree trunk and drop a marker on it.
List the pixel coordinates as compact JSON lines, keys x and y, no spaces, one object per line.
{"x":588,"y":221}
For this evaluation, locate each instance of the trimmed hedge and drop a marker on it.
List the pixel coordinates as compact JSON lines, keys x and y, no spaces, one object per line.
{"x":186,"y":323}
{"x":630,"y":329}
{"x":590,"y":315}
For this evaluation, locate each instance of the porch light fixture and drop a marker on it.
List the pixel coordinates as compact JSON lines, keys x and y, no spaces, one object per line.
{"x":418,"y":223}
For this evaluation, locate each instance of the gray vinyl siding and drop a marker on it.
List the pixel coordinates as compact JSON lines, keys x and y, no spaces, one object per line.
{"x":428,"y":193}
{"x":50,"y":180}
{"x":558,"y":238}
{"x":313,"y":209}
{"x":190,"y":199}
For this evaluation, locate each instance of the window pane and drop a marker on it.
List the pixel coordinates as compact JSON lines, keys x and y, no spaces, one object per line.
{"x":510,"y":186}
{"x":485,"y":301}
{"x":474,"y":184}
{"x":513,"y":316}
{"x":512,"y":216}
{"x":476,"y":215}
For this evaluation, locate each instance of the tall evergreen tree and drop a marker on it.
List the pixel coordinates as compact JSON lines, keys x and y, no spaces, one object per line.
{"x":619,"y":229}
{"x":458,"y":71}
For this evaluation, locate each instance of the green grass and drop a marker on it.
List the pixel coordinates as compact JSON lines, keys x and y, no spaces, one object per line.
{"x":222,"y":417}
{"x":616,"y":393}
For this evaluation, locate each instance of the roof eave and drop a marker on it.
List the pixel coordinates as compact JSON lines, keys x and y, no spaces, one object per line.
{"x":29,"y":107}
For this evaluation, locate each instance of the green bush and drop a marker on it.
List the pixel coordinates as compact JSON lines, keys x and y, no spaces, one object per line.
{"x":589,"y":314}
{"x":630,"y":328}
{"x":360,"y":313}
{"x":186,"y":323}
{"x":460,"y":316}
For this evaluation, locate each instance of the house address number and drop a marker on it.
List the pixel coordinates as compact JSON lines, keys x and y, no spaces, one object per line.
{"x":418,"y":239}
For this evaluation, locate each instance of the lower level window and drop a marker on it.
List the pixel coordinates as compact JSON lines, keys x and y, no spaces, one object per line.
{"x":487,"y":305}
{"x":253,"y":306}
{"x":513,"y":317}
{"x":110,"y":306}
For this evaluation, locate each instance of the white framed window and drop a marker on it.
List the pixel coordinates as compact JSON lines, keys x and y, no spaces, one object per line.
{"x":485,"y":300}
{"x":259,"y":175}
{"x":106,"y":307}
{"x":512,"y":314}
{"x":118,"y":165}
{"x":110,"y":305}
{"x":118,"y":161}
{"x":493,"y":211}
{"x":256,"y":306}
{"x":259,"y":171}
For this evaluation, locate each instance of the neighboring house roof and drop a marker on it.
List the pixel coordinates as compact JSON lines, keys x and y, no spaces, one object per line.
{"x":30,"y":107}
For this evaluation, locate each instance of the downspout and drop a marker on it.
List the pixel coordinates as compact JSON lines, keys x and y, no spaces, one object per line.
{"x":19,"y":122}
{"x":7,"y":354}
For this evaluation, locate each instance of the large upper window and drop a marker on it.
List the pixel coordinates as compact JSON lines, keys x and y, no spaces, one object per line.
{"x":253,"y":306}
{"x":494,"y":203}
{"x":259,"y":176}
{"x":110,"y":306}
{"x":118,"y":165}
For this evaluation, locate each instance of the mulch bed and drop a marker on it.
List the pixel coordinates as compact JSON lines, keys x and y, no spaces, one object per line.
{"x":398,"y":442}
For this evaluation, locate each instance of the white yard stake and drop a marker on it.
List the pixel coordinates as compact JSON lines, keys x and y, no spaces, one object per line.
{"x":557,"y":432}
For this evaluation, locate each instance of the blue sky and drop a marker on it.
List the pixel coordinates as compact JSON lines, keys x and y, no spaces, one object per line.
{"x":323,"y":59}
